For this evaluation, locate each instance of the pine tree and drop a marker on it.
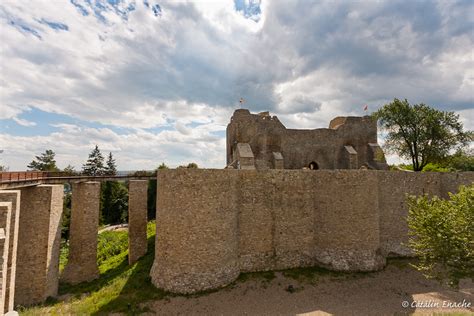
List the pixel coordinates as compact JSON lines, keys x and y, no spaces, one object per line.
{"x":44,"y":162}
{"x":111,"y":167}
{"x":95,"y":164}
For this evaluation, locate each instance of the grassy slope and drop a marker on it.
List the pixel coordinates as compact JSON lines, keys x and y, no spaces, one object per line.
{"x":120,"y":287}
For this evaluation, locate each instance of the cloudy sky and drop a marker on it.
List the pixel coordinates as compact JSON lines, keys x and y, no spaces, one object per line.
{"x":157,"y":81}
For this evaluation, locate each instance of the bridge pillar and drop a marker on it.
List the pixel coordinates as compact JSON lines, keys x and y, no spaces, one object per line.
{"x":39,"y":240}
{"x":12,"y":196}
{"x":137,"y":219}
{"x":5,"y":220}
{"x":82,"y":261}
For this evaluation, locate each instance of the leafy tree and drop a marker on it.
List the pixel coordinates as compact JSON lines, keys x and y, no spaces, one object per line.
{"x":442,"y":235}
{"x":111,"y":167}
{"x":152,"y":187}
{"x":44,"y":162}
{"x":114,"y":202}
{"x":95,"y":163}
{"x":3,"y":168}
{"x":66,"y":216}
{"x":162,"y":166}
{"x":421,"y":133}
{"x":191,"y":165}
{"x":461,"y":160}
{"x":69,"y":170}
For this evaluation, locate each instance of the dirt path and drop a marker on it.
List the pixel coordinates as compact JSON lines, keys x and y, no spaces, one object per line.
{"x":380,"y":293}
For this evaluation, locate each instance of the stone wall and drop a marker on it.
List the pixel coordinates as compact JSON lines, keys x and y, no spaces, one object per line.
{"x":214,"y":224}
{"x":38,"y":244}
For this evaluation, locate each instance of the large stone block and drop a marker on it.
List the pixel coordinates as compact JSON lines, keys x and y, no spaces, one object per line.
{"x":39,"y":241}
{"x":12,"y":196}
{"x":137,"y":219}
{"x":82,"y":261}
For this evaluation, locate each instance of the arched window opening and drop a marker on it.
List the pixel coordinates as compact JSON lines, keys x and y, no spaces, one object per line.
{"x":313,"y":166}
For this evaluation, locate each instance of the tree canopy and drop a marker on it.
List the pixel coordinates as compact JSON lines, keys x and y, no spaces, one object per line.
{"x":44,"y":162}
{"x":110,"y":167}
{"x":95,"y":163}
{"x":421,"y":133}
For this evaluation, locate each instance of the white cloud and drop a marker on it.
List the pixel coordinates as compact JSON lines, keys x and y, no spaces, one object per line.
{"x":190,"y":65}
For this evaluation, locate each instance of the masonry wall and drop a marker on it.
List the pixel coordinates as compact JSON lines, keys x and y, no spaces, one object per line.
{"x":197,"y":225}
{"x":214,"y":224}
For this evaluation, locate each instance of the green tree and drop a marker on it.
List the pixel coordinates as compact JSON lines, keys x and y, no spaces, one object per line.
{"x":162,"y":166}
{"x":191,"y":165}
{"x":66,"y":216}
{"x":111,"y":167}
{"x":420,"y":133}
{"x":461,"y":160}
{"x":114,"y":202}
{"x":95,"y":163}
{"x":44,"y":162}
{"x":3,"y":168}
{"x":69,"y":170}
{"x":442,"y":235}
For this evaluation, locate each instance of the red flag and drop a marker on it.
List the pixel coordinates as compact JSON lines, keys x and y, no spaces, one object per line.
{"x":366,"y":107}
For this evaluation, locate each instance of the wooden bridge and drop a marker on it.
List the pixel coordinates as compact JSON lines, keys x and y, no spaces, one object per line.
{"x":19,"y":179}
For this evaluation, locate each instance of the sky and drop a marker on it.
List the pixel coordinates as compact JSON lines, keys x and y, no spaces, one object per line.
{"x":157,"y":81}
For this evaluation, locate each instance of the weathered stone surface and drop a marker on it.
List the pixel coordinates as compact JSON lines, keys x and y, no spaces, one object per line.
{"x":5,"y":220}
{"x":39,"y":241}
{"x":12,"y":196}
{"x":213,"y":224}
{"x":137,"y":219}
{"x":325,"y":148}
{"x":82,"y":261}
{"x":197,"y":243}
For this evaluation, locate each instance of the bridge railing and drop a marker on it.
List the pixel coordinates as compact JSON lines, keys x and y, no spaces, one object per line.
{"x":15,"y":176}
{"x":18,"y":177}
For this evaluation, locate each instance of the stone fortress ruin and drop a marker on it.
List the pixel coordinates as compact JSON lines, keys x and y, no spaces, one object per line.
{"x":268,"y":212}
{"x":260,"y":141}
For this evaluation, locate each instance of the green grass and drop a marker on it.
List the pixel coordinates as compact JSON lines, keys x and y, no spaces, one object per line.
{"x":120,"y":287}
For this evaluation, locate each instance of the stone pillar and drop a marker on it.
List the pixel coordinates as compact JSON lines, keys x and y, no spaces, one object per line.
{"x":82,"y":261}
{"x":5,"y":219}
{"x":137,"y":219}
{"x":12,"y":196}
{"x":39,"y":240}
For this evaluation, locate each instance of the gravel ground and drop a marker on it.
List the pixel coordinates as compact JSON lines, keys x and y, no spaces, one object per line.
{"x":380,"y":293}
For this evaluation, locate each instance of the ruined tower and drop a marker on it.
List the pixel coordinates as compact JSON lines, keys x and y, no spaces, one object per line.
{"x":261,"y":141}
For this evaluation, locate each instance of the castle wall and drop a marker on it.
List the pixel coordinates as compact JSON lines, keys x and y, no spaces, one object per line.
{"x":214,"y":224}
{"x":197,"y":223}
{"x":392,"y":190}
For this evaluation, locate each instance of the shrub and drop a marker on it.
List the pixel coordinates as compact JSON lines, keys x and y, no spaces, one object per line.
{"x":442,"y":235}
